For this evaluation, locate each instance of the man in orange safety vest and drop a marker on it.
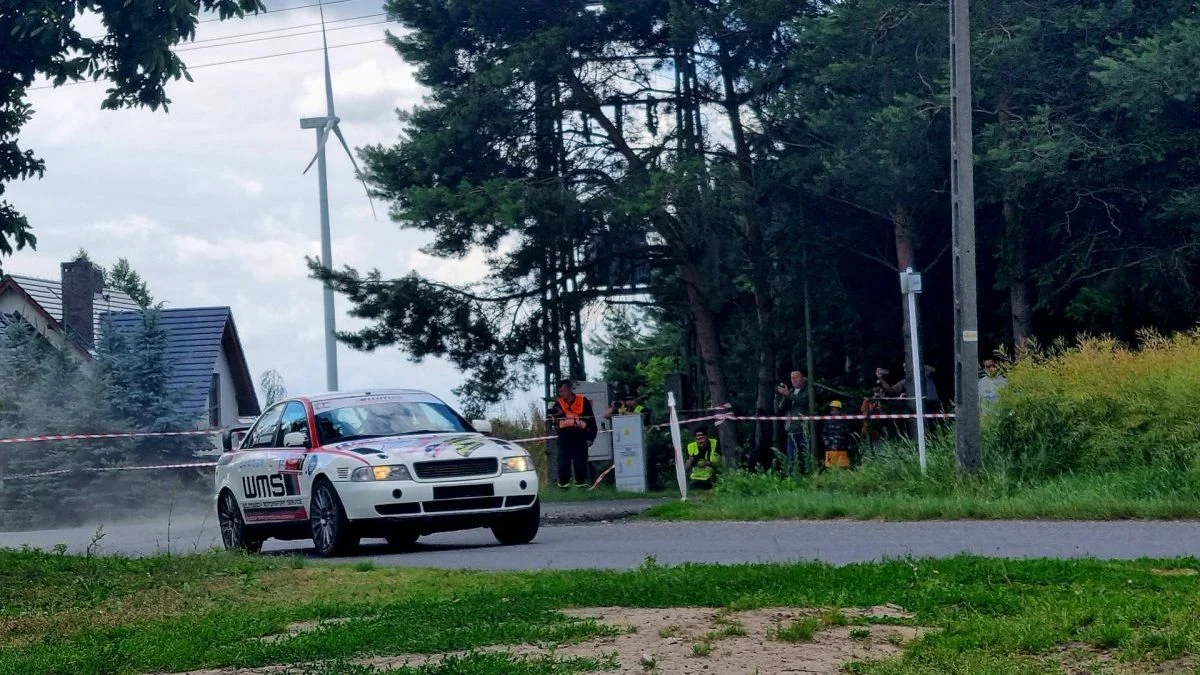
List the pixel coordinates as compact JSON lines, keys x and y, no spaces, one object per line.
{"x":573,"y":419}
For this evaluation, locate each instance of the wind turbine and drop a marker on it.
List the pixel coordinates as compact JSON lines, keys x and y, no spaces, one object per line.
{"x":324,"y":125}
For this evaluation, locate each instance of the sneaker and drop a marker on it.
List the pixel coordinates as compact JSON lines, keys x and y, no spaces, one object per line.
{"x":563,"y":486}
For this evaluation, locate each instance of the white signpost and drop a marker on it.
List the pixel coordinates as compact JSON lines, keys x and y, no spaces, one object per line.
{"x":629,"y":453}
{"x":910,"y":286}
{"x":680,"y":471}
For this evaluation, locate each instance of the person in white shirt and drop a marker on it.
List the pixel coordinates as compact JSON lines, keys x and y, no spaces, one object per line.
{"x":990,"y":385}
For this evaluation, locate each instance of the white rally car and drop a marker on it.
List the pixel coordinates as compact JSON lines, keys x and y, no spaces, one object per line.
{"x":395,"y":464}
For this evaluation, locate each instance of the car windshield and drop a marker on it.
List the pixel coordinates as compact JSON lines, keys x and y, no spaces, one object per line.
{"x":356,"y":420}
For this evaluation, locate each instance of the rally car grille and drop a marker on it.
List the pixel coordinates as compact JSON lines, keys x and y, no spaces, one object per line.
{"x":457,"y":468}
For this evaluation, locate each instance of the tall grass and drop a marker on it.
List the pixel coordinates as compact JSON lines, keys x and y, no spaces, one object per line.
{"x":1101,"y":406}
{"x":1098,"y":430}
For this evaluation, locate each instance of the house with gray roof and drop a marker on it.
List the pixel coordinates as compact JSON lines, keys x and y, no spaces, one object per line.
{"x":208,"y":364}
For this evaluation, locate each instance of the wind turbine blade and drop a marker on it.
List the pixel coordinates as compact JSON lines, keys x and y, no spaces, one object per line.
{"x":328,"y":78}
{"x":313,"y":161}
{"x":338,"y":130}
{"x":324,"y":136}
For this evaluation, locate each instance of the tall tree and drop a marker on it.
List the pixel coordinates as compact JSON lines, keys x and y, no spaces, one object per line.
{"x":123,"y":277}
{"x":1060,"y":182}
{"x":272,"y":387}
{"x":543,"y":133}
{"x":134,"y":369}
{"x":862,"y":124}
{"x":42,"y":38}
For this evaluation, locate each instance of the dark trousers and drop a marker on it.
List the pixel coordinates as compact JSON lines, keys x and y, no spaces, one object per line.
{"x":572,"y":452}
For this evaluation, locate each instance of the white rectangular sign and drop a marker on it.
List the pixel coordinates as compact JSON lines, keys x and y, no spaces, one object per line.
{"x":629,"y":453}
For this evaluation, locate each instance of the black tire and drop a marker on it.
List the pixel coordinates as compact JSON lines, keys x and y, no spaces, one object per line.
{"x":402,"y":538}
{"x":233,"y":526}
{"x":331,"y":532}
{"x":519,"y":527}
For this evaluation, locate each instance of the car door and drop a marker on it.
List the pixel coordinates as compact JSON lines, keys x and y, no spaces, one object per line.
{"x":292,"y":445}
{"x":253,"y":467}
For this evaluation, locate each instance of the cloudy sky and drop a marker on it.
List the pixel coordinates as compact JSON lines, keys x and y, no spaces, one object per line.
{"x":208,"y":202}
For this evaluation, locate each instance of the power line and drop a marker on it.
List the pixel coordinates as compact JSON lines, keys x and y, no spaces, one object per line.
{"x":225,"y":63}
{"x":275,"y":56}
{"x":271,"y":30}
{"x":278,"y":30}
{"x":285,"y":9}
{"x":276,"y":37}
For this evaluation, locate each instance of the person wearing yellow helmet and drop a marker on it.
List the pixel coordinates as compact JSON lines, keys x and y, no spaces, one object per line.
{"x":835,"y":434}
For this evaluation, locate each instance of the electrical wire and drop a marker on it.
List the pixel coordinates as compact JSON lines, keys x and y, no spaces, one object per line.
{"x":225,"y":63}
{"x":275,"y":56}
{"x":284,"y":9}
{"x":279,"y":30}
{"x":277,"y":37}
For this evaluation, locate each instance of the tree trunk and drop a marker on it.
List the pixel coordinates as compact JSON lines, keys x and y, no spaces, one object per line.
{"x":756,"y":252}
{"x":905,"y":258}
{"x":710,"y":355}
{"x":1019,"y":286}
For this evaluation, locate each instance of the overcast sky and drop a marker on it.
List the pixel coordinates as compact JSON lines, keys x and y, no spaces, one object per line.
{"x":208,"y":202}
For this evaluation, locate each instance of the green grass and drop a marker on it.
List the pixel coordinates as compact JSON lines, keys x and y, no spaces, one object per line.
{"x":64,"y":614}
{"x":889,"y":485}
{"x":800,"y":630}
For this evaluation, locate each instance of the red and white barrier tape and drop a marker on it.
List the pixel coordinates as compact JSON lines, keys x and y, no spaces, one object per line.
{"x":722,"y":417}
{"x":95,"y":469}
{"x":127,"y":434}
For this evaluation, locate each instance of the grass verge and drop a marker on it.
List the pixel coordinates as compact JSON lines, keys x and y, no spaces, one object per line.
{"x":890,"y":486}
{"x":553,"y":493}
{"x":64,"y":614}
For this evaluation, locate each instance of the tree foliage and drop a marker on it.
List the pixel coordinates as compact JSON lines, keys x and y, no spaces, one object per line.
{"x":124,"y":278}
{"x":47,"y":390}
{"x":272,"y":387}
{"x":42,"y":38}
{"x":755,"y":152}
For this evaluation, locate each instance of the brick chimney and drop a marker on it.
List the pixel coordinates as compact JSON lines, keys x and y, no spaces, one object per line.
{"x":81,"y":281}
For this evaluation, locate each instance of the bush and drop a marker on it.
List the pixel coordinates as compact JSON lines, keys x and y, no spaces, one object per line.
{"x":1101,"y":407}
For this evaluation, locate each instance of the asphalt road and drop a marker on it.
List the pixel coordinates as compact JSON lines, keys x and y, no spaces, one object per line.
{"x":623,"y":544}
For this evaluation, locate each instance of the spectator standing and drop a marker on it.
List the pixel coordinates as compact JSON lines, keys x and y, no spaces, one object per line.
{"x":793,"y":402}
{"x":835,"y":434}
{"x":990,"y":385}
{"x":575,"y":422}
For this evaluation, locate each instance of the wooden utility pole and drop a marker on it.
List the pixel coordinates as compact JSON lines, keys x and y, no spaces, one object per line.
{"x":962,"y":188}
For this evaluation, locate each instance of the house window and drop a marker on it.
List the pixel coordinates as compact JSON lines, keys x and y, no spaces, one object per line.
{"x":214,"y":401}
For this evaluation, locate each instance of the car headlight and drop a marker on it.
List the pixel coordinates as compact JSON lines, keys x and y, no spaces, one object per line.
{"x":369,"y":473}
{"x":517,"y":464}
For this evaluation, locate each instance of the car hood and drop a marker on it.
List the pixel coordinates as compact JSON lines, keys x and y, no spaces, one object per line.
{"x":426,"y":447}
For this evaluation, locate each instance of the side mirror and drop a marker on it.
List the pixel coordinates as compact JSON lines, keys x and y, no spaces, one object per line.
{"x":232,"y":437}
{"x":295,"y":439}
{"x":482,"y":426}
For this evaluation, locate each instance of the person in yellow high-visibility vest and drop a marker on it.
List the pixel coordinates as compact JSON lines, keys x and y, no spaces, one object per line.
{"x":703,"y":460}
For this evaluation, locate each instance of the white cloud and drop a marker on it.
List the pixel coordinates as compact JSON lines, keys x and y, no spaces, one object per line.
{"x":137,"y":226}
{"x":208,"y":202}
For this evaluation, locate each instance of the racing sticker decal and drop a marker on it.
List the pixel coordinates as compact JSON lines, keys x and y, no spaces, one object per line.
{"x":463,"y":445}
{"x":274,"y":485}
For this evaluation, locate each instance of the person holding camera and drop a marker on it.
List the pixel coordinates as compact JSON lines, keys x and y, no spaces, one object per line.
{"x":793,"y":403}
